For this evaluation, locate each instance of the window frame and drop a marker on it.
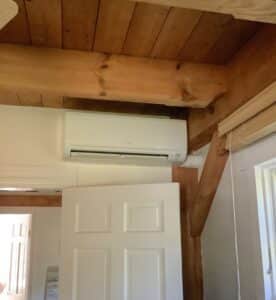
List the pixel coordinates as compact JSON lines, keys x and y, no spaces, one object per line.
{"x":265,"y":174}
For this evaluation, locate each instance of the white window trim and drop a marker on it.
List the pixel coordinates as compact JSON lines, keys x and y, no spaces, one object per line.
{"x":266,"y":193}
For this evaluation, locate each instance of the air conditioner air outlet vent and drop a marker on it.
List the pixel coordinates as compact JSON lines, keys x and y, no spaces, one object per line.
{"x":75,"y":152}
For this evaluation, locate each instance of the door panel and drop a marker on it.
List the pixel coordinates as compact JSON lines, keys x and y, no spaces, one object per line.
{"x":146,"y":216}
{"x":98,"y":221}
{"x":96,"y":263}
{"x":144,"y":274}
{"x":121,"y":243}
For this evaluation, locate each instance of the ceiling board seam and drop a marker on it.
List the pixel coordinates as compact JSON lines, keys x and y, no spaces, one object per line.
{"x":159,"y":33}
{"x":41,"y":100}
{"x":128,"y":29}
{"x":61,"y":26}
{"x":28,"y":22}
{"x":261,"y":25}
{"x":18,"y":98}
{"x":62,"y":23}
{"x":96,"y":25}
{"x":218,"y":39}
{"x":190,"y":35}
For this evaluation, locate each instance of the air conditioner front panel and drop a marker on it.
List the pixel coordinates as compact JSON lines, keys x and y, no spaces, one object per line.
{"x":124,"y":134}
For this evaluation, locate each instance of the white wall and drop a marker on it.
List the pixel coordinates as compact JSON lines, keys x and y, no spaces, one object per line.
{"x":219,"y":260}
{"x":31,"y":154}
{"x":46,"y":224}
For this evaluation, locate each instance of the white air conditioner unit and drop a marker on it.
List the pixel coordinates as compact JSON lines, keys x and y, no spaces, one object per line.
{"x":117,"y":138}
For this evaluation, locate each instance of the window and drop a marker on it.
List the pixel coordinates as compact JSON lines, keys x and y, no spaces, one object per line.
{"x":14,"y":256}
{"x":266,"y":190}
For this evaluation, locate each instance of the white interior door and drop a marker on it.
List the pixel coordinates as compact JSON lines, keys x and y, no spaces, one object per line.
{"x":121,"y":243}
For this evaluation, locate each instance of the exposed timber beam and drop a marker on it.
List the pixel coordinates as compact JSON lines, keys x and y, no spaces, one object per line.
{"x":209,"y":181}
{"x":82,"y":74}
{"x":255,"y":10}
{"x":191,"y":247}
{"x":30,"y":200}
{"x":251,"y":71}
{"x":253,"y":130}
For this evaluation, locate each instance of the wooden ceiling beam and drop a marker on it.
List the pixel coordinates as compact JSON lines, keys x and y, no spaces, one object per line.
{"x":83,"y":74}
{"x":251,"y":71}
{"x":255,"y":10}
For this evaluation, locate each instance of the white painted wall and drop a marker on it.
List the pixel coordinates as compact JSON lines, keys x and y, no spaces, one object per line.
{"x":219,"y":260}
{"x":45,"y":251}
{"x":31,"y":154}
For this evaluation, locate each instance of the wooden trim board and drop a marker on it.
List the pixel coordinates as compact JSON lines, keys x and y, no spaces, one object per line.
{"x":253,"y":130}
{"x":30,"y":200}
{"x":257,"y":104}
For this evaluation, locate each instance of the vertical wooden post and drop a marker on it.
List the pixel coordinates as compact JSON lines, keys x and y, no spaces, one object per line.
{"x":209,"y":181}
{"x":191,"y":247}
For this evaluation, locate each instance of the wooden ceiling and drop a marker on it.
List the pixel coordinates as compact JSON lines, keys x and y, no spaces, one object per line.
{"x":126,"y":27}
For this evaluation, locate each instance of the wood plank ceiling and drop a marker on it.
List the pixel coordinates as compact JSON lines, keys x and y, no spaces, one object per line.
{"x":125,"y":27}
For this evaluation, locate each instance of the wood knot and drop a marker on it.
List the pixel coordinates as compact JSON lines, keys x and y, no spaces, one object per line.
{"x":104,"y":66}
{"x":211,"y":109}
